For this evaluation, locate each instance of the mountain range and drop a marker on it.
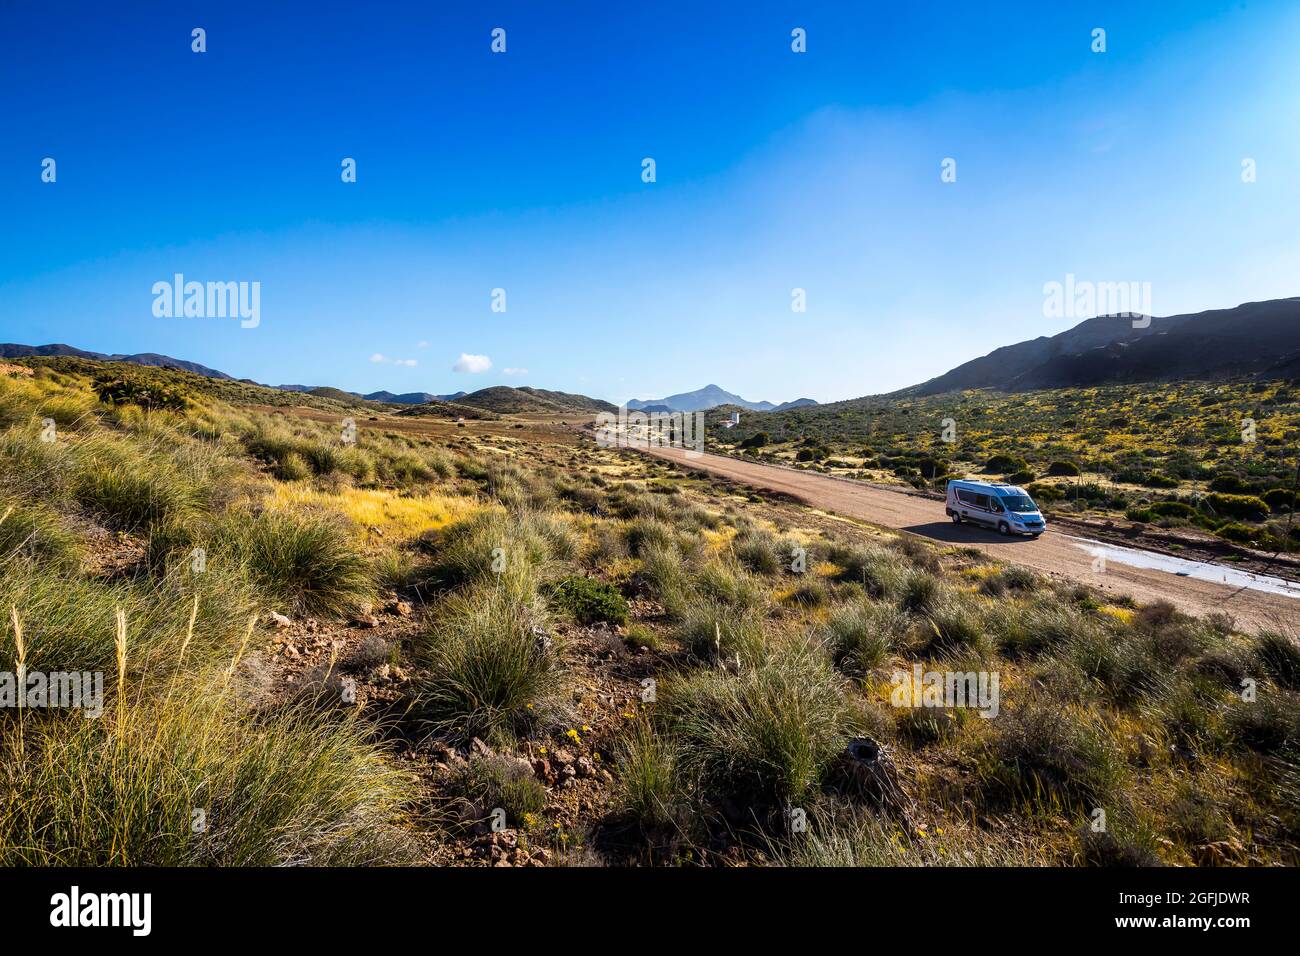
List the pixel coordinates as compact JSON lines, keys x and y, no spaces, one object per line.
{"x":1252,"y":339}
{"x":708,"y":397}
{"x":405,"y":398}
{"x":11,"y":350}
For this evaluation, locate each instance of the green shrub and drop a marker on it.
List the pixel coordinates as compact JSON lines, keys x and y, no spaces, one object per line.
{"x":665,"y":577}
{"x":919,"y":591}
{"x":861,"y":636}
{"x":952,"y":625}
{"x":1172,"y":509}
{"x":1123,"y":665}
{"x":479,"y":548}
{"x":125,"y":390}
{"x":1043,"y":625}
{"x":765,"y":736}
{"x":589,"y":601}
{"x":490,"y":666}
{"x":919,"y":553}
{"x":1063,"y":469}
{"x":1236,"y":531}
{"x":1244,"y":507}
{"x":278,"y":789}
{"x":863,"y":839}
{"x":1045,"y":493}
{"x":1156,"y":479}
{"x":1270,"y":724}
{"x":37,"y":532}
{"x":878,"y":570}
{"x":68,"y":619}
{"x":759,"y":552}
{"x":1014,"y":579}
{"x":324,"y":457}
{"x":494,"y":781}
{"x":711,"y":630}
{"x":1003,"y":464}
{"x":1280,"y":498}
{"x":293,"y":467}
{"x":725,"y":583}
{"x":1279,"y":656}
{"x":131,"y":492}
{"x":638,"y":636}
{"x":648,"y":788}
{"x":644,"y":533}
{"x":299,"y":563}
{"x":1041,"y":751}
{"x":399,"y":570}
{"x":1230,"y":483}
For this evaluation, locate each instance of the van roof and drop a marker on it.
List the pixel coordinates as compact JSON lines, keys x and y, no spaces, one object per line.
{"x":997,"y":487}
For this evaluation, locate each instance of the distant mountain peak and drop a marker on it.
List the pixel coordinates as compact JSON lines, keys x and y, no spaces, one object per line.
{"x":710,"y":396}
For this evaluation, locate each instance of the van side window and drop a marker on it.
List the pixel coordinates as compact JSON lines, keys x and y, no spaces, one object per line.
{"x":981,"y":501}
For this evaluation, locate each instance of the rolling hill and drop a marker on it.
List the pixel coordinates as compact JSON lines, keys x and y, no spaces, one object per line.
{"x":505,"y":400}
{"x":227,"y":389}
{"x":440,"y":409}
{"x":410,"y":398}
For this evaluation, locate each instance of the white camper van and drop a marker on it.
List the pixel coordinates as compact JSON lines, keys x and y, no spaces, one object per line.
{"x":994,"y":504}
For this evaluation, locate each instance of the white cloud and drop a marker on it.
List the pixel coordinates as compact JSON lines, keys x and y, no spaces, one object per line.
{"x":423,"y":344}
{"x":514,"y":371}
{"x":377,"y":357}
{"x":408,"y":362}
{"x":473,"y":364}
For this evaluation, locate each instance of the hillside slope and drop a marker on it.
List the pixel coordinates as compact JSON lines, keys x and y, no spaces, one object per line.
{"x":226,"y":389}
{"x":1253,"y":339}
{"x":504,"y":400}
{"x":152,"y":359}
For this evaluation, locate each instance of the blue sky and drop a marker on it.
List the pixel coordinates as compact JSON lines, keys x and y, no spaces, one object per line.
{"x":522,"y":171}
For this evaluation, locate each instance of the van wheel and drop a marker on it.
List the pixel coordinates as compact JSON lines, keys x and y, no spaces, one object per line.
{"x":956,"y":518}
{"x":1004,"y":528}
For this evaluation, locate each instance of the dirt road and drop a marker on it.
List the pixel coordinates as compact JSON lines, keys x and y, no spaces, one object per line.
{"x":1054,"y":553}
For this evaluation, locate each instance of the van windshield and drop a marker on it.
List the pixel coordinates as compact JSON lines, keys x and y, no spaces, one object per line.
{"x":1019,"y":503}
